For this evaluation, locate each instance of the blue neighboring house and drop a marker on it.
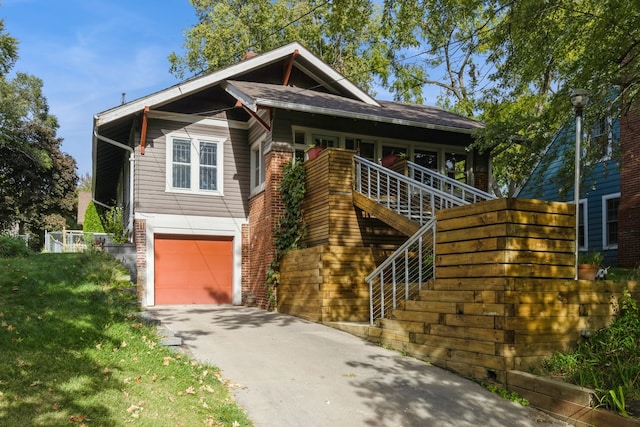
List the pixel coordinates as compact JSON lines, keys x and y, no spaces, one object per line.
{"x":552,"y":179}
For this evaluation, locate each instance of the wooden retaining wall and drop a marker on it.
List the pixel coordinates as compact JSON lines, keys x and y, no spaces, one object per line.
{"x":504,"y":297}
{"x":326,"y":283}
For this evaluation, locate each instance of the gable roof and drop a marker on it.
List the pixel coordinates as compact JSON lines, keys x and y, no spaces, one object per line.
{"x":254,"y":95}
{"x":304,"y":60}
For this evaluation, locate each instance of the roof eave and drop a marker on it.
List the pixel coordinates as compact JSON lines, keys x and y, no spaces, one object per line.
{"x":360,"y":116}
{"x":188,"y":87}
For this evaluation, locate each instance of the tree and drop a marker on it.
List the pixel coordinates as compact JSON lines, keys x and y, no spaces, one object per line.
{"x":344,"y":33}
{"x":511,"y":64}
{"x":37,"y":180}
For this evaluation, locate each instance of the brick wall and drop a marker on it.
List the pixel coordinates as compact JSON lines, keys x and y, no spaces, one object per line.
{"x":140,"y":240}
{"x":629,"y":210}
{"x":265,"y":211}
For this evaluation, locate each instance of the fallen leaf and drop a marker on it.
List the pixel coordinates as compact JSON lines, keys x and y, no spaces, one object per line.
{"x":55,"y":406}
{"x":35,"y":383}
{"x":208,"y":388}
{"x":166,"y":360}
{"x":171,"y":399}
{"x":10,"y":328}
{"x":190,"y":390}
{"x":3,"y":323}
{"x":133,"y":408}
{"x":77,"y":419}
{"x":99,"y":346}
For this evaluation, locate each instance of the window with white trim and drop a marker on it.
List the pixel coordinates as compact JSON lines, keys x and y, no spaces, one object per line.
{"x":610,"y":204}
{"x":194,"y":164}
{"x":257,"y":167}
{"x":602,"y":138}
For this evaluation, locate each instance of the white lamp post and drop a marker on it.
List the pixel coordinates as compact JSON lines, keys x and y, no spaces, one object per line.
{"x":579,"y":99}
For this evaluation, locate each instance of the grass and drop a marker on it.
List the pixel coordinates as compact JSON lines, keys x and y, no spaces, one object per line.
{"x":73,"y":352}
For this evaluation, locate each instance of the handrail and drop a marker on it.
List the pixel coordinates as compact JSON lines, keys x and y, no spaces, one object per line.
{"x":409,"y":266}
{"x":408,"y":197}
{"x":417,"y":197}
{"x":447,"y":184}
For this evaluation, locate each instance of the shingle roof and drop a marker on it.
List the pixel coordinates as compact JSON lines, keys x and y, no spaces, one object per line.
{"x":300,"y":99}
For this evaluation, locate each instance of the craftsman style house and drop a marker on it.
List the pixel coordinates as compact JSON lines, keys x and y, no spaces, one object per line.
{"x":196,"y":166}
{"x":599,"y":188}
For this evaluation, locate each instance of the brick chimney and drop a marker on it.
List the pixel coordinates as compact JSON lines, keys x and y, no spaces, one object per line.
{"x":629,"y":210}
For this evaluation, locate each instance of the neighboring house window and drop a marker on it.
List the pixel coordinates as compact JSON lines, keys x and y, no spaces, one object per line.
{"x":257,"y":167}
{"x":582,"y":226}
{"x":194,"y":165}
{"x":610,"y":205}
{"x":602,"y":137}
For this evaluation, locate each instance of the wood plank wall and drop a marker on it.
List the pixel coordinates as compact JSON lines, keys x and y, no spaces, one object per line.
{"x":504,"y":296}
{"x":326,"y":283}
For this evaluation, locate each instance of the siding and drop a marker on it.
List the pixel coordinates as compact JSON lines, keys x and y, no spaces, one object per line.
{"x":151,"y":176}
{"x":552,"y":180}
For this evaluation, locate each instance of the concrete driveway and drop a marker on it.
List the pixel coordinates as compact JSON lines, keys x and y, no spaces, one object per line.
{"x":286,"y":371}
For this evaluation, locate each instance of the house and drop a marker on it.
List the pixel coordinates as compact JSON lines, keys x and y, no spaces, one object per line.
{"x":552,"y":179}
{"x":196,"y":166}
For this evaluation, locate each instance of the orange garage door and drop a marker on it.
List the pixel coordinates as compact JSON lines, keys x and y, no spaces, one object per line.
{"x":193,"y":269}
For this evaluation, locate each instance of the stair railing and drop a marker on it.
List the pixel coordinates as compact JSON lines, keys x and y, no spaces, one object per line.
{"x":446,"y":184}
{"x":400,"y":277}
{"x":408,"y":197}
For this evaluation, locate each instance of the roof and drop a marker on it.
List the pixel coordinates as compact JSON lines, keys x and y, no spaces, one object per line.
{"x":253,"y":94}
{"x":305,"y":61}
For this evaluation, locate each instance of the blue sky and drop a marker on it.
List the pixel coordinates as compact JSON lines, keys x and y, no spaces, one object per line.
{"x":88,"y":52}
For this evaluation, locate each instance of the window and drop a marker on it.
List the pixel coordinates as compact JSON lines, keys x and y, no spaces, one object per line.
{"x":582,"y":226}
{"x":194,"y":165}
{"x":426,"y":158}
{"x":601,"y":138}
{"x":610,"y":205}
{"x":257,"y":167}
{"x":325,"y":141}
{"x":366,"y":149}
{"x":456,"y":166}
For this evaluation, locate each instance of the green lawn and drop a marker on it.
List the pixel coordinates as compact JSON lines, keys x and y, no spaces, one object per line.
{"x":72,"y":352}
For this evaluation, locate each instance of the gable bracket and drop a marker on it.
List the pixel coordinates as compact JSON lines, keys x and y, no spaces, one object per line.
{"x":143,"y":130}
{"x":255,"y":115}
{"x":288,"y":67}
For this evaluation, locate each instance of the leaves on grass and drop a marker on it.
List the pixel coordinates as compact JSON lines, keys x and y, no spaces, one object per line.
{"x":190,"y":390}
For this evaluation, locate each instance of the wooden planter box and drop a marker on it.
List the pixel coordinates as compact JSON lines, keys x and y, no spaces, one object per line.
{"x":568,"y":402}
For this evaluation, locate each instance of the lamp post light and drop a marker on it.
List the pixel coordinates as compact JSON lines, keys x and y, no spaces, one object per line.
{"x":579,"y":99}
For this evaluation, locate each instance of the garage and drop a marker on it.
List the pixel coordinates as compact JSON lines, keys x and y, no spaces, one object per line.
{"x":193,"y":269}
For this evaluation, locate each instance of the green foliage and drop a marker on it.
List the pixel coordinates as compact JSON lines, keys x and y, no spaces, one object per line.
{"x":591,"y":257}
{"x":12,"y":247}
{"x":506,"y":394}
{"x":113,"y":224}
{"x":291,"y":229}
{"x":92,"y":222}
{"x":608,"y":361}
{"x":345,"y":34}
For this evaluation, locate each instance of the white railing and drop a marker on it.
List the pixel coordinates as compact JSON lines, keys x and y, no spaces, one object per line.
{"x":417,"y":197}
{"x":446,"y":184}
{"x":401,"y":276}
{"x":408,"y":197}
{"x":73,"y":240}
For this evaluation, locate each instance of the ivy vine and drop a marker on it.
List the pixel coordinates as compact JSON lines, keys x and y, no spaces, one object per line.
{"x":290,"y":231}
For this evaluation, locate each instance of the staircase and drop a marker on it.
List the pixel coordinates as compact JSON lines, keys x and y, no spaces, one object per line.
{"x":407,"y":203}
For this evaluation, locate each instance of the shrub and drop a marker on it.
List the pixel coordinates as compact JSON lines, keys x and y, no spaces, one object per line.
{"x":13,"y":247}
{"x":92,"y":222}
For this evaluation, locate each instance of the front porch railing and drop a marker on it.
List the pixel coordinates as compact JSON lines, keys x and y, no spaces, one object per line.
{"x":446,"y":184}
{"x":405,"y":196}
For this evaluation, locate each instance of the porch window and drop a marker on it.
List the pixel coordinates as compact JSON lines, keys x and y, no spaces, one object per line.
{"x":366,"y":149}
{"x":610,"y":206}
{"x":456,"y":166}
{"x":194,"y":165}
{"x":325,"y":141}
{"x":427,"y":159}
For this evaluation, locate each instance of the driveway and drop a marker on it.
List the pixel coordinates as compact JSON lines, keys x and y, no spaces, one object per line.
{"x":286,"y":371}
